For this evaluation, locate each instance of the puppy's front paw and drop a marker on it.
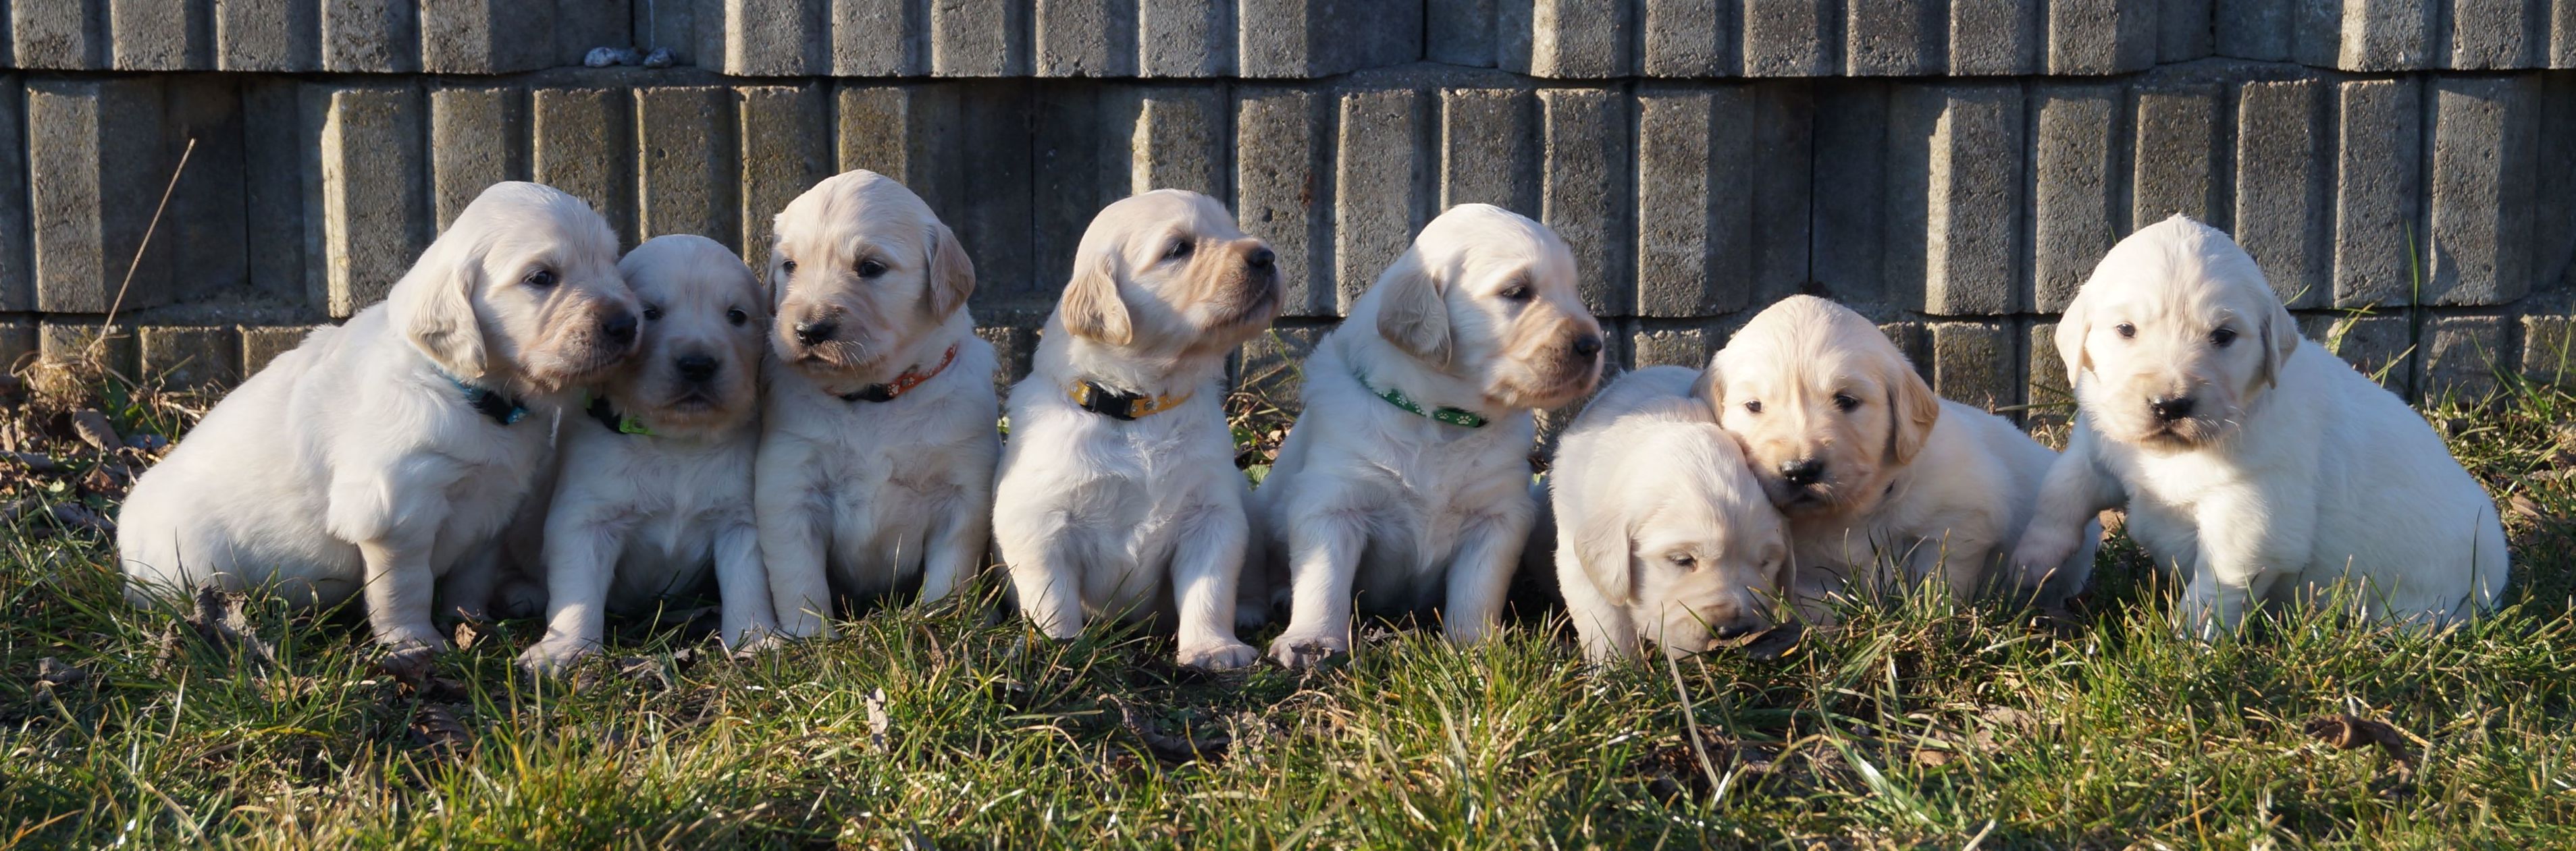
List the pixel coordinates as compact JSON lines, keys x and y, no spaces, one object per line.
{"x":2041,"y":553}
{"x":553,"y":658}
{"x":1297,"y":650}
{"x":1219,"y":657}
{"x":403,"y":639}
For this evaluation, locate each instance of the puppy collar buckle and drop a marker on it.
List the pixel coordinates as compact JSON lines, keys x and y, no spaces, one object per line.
{"x":1116,"y":405}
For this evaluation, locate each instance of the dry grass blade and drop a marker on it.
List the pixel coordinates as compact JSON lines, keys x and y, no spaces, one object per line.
{"x":1690,"y":727}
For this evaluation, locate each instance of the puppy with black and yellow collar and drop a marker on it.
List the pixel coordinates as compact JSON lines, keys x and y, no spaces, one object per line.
{"x":1118,"y":495}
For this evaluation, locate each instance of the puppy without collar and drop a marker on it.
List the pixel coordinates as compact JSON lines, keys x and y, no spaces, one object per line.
{"x":1664,"y":535}
{"x":1118,"y":495}
{"x":384,"y":454}
{"x":1406,"y":480}
{"x":1876,"y":475}
{"x":2255,"y":462}
{"x":653,"y":481}
{"x":876,"y":455}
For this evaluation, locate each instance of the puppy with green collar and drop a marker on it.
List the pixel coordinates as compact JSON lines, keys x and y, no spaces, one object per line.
{"x":654,"y":475}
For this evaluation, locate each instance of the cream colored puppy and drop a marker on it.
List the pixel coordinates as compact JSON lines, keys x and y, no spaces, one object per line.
{"x":2259,"y":464}
{"x":1406,"y":479}
{"x":1879,"y":478}
{"x":1118,"y":494}
{"x":876,"y":458}
{"x":653,"y":483}
{"x":379,"y":455}
{"x":1666,"y":535}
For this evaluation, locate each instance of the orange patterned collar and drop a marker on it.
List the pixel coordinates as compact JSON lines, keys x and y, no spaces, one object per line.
{"x":901,"y":384}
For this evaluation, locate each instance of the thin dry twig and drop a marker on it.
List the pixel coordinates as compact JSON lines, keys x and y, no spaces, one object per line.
{"x":91,"y":353}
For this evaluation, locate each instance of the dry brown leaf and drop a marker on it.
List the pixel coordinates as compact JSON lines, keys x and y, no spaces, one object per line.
{"x":2348,"y":732}
{"x":94,"y":430}
{"x":880,"y":727}
{"x":2522,"y":506}
{"x":467,"y":632}
{"x":436,"y":727}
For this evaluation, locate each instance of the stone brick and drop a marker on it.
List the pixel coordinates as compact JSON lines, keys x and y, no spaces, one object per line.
{"x":72,"y":342}
{"x":1894,"y":38}
{"x":2075,"y":152}
{"x":204,"y":221}
{"x":780,"y":38}
{"x":1566,"y":38}
{"x":1086,"y":38}
{"x":370,"y":36}
{"x":1690,"y":347}
{"x":1461,"y":32}
{"x":262,"y":344}
{"x":191,"y":356}
{"x":1788,"y":38}
{"x":2549,"y":348}
{"x":2486,"y":149}
{"x":2284,"y":194}
{"x":17,"y":344}
{"x":1912,"y":341}
{"x":654,"y":24}
{"x":1680,"y":38}
{"x":893,"y":131}
{"x":1994,"y":37}
{"x":1489,"y":149}
{"x":2377,"y":197}
{"x":61,"y":34}
{"x":1711,"y":208}
{"x":991,"y":204}
{"x":2176,"y":164}
{"x":375,"y":209}
{"x":1184,"y":38}
{"x":2378,"y":345}
{"x":2256,"y":29}
{"x":17,"y":273}
{"x":1585,"y":187}
{"x":786,"y":148}
{"x":2562,"y":36}
{"x":1971,"y":199}
{"x":1381,"y":181}
{"x":2050,"y":400}
{"x":2463,"y":355}
{"x":95,"y":149}
{"x":485,"y":36}
{"x":268,"y":35}
{"x":2183,"y":30}
{"x":584,"y":146}
{"x":686,"y":178}
{"x":2553,"y":229}
{"x":2365,"y":35}
{"x":1283,"y":187}
{"x":2489,"y":34}
{"x":1973,"y":363}
{"x":478,"y":137}
{"x":1177,"y":140}
{"x":1322,"y":38}
{"x":2101,"y":36}
{"x":584,"y":24}
{"x":1851,"y":190}
{"x":161,"y":35}
{"x":281,"y":170}
{"x":979,"y":38}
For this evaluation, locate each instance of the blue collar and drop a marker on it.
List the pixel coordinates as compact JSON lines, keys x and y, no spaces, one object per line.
{"x":487,"y":401}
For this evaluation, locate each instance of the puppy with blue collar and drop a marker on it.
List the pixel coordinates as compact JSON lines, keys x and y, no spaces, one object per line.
{"x":653,"y":482}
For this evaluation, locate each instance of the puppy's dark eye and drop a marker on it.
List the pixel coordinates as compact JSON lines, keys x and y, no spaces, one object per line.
{"x":1845,"y":401}
{"x":1683,"y":560}
{"x":871,"y":268}
{"x":1516,"y":292}
{"x":541,"y":278}
{"x":2127,"y":331}
{"x":736,"y":316}
{"x":652,"y":313}
{"x":1753,"y":406}
{"x":2222,"y":337}
{"x":1180,"y":248}
{"x":787,"y":266}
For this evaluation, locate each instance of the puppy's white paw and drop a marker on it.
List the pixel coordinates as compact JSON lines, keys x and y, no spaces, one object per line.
{"x":553,"y":658}
{"x":2041,"y":553}
{"x":799,"y":625}
{"x":406,"y":637}
{"x":1298,"y":650}
{"x":1219,"y":657}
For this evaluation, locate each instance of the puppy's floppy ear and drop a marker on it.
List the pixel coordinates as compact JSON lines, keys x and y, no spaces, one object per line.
{"x":2280,"y":338}
{"x":1092,"y":307}
{"x":1411,"y":313}
{"x":1600,"y":541}
{"x":1912,"y":406}
{"x":1710,"y":389}
{"x":433,"y":305}
{"x":952,"y":275}
{"x":2072,"y":328}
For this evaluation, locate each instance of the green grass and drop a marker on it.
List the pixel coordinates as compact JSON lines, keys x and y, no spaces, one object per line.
{"x":1915,"y":724}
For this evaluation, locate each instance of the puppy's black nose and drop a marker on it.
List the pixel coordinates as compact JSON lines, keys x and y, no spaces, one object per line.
{"x":696,"y":368}
{"x":1260,"y":258}
{"x":811,"y":333}
{"x":619,"y":328}
{"x":1587,"y":345}
{"x":1802,"y":472}
{"x":2170,"y":409}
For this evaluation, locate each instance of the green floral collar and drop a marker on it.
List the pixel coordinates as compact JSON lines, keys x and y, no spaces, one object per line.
{"x":1453,"y":416}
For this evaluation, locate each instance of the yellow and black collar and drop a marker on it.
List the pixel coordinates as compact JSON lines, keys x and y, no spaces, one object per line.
{"x":1121,"y":406}
{"x":901,"y":384}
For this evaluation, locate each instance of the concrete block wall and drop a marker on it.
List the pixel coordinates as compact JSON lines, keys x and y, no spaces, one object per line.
{"x":1953,"y":170}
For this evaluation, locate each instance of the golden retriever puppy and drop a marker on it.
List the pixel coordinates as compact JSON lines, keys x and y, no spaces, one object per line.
{"x":1118,"y":495}
{"x":1876,"y":475}
{"x":381,"y":454}
{"x":1665,"y":534}
{"x":1406,"y":480}
{"x":876,"y":457}
{"x":2254,"y":461}
{"x":653,"y":477}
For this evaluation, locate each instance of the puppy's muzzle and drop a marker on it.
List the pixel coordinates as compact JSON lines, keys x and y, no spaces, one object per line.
{"x":619,"y":328}
{"x":1802,"y":472}
{"x":697,"y":368}
{"x":817,"y":332}
{"x":2171,"y":408}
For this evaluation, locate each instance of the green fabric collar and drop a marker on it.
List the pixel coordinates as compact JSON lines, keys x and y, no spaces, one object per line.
{"x":1453,"y":416}
{"x":616,"y":420}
